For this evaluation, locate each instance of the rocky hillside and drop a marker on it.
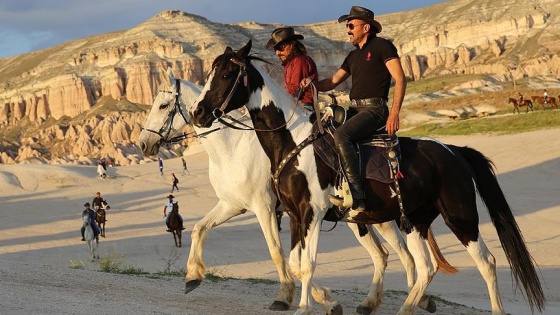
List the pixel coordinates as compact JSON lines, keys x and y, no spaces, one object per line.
{"x":42,"y":91}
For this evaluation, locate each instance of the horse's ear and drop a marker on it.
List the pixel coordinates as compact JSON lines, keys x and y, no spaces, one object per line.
{"x":166,"y":76}
{"x":228,"y":50}
{"x":244,"y":51}
{"x":170,"y":73}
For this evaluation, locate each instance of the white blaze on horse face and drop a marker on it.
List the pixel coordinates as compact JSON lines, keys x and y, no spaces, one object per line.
{"x":205,"y":90}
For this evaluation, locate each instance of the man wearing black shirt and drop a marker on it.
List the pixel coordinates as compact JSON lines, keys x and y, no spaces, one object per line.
{"x":372,"y":65}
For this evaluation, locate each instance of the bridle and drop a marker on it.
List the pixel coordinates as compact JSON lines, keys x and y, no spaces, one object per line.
{"x":167,"y":126}
{"x":219,"y":113}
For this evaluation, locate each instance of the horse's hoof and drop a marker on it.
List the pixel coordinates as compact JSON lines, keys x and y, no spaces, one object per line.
{"x":191,"y":285}
{"x":364,"y":310}
{"x":428,"y":304}
{"x":337,"y":310}
{"x":279,"y":306}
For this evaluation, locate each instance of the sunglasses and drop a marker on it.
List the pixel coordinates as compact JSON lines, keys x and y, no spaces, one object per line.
{"x":281,"y":47}
{"x":351,"y":26}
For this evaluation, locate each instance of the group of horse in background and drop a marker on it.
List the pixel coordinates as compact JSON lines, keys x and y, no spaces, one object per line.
{"x":528,"y":104}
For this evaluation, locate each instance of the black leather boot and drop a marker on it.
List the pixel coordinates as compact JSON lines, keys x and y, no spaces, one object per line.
{"x":351,"y":166}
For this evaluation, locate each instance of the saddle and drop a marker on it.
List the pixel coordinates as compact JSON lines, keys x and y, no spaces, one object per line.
{"x":377,"y":153}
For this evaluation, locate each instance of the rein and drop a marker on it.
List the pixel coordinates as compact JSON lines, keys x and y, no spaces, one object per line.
{"x":219,"y":114}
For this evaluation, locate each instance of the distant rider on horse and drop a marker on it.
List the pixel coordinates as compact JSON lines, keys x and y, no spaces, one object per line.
{"x":167,"y":212}
{"x":97,"y":203}
{"x":545,"y":96}
{"x":91,"y":214}
{"x":520,"y":100}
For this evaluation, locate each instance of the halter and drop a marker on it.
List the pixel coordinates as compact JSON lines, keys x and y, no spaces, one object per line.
{"x":167,"y":126}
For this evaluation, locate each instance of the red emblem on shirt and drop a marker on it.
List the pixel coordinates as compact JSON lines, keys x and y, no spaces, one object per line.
{"x":368,"y":58}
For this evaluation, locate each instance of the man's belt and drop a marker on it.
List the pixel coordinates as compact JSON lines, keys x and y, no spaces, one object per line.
{"x":375,"y":101}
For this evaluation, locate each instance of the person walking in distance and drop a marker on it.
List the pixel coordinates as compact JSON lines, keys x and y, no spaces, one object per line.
{"x":372,"y":65}
{"x":160,"y":163}
{"x":185,"y":170}
{"x":174,"y":181}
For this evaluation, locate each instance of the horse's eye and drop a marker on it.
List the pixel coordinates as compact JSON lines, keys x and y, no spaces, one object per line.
{"x":163,"y":106}
{"x":225,"y":76}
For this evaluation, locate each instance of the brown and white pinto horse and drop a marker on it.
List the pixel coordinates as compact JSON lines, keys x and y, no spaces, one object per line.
{"x":516,"y":105}
{"x":439,"y":180}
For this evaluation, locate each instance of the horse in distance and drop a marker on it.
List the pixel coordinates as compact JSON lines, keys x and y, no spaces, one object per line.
{"x":101,"y":217}
{"x":90,"y":238}
{"x":526,"y":103}
{"x":175,"y":225}
{"x":551,"y":100}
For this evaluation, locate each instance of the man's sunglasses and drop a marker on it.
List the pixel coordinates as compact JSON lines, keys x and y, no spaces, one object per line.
{"x":351,"y":26}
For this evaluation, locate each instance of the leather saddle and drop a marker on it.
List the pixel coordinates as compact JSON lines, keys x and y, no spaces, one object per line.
{"x":377,"y":152}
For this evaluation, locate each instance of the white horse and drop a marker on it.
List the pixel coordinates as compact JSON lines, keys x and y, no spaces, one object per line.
{"x":91,"y":240}
{"x":101,"y":171}
{"x":242,"y":186}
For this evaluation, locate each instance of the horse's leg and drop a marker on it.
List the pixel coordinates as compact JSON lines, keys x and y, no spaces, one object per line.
{"x":486,"y":265}
{"x":321,"y":295}
{"x":305,"y":268}
{"x":91,"y":250}
{"x":195,"y":268}
{"x":391,"y":233}
{"x":379,"y":255}
{"x":180,"y":235}
{"x":268,"y":220}
{"x":426,"y":269}
{"x":175,"y":238}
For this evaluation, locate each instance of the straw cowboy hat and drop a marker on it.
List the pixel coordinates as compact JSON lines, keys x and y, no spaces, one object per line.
{"x":282,"y":35}
{"x":363,"y":14}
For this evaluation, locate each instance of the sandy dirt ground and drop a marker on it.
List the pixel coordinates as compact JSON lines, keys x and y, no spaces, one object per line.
{"x":40,"y":217}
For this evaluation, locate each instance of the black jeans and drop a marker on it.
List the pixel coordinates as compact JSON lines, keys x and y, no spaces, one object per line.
{"x":362,"y":125}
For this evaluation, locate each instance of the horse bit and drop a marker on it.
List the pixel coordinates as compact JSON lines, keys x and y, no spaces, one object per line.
{"x":167,"y":126}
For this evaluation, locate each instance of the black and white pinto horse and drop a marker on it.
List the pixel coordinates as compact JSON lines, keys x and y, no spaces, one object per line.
{"x":90,"y":238}
{"x":242,"y":186}
{"x":438,"y":180}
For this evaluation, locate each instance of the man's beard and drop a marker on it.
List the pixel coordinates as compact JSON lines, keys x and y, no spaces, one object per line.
{"x":285,"y":61}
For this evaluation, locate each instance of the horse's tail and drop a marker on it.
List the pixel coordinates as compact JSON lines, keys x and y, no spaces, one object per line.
{"x":443,"y":264}
{"x":521,"y":262}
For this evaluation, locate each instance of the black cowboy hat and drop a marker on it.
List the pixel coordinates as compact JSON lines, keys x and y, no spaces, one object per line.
{"x":170,"y":196}
{"x":86,"y":204}
{"x":363,"y":14}
{"x":282,"y":35}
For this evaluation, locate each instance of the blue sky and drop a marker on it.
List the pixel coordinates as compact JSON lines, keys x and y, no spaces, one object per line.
{"x":28,"y":25}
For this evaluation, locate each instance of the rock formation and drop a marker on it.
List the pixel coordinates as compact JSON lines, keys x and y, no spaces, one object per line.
{"x":40,"y":89}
